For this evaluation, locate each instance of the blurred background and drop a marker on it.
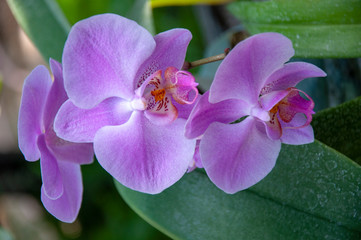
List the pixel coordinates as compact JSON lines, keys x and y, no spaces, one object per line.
{"x":103,"y":215}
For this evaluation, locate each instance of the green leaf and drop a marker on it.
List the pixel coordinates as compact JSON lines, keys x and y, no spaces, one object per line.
{"x":317,"y":41}
{"x":312,"y":193}
{"x":44,"y":23}
{"x":299,"y":11}
{"x":318,"y":29}
{"x":340,"y":128}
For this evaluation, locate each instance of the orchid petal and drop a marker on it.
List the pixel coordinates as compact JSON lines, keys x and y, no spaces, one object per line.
{"x":184,"y":110}
{"x":237,"y":156}
{"x":273,"y":127}
{"x":80,"y":125}
{"x":183,"y":86}
{"x":66,"y":207}
{"x":30,"y":124}
{"x":153,"y":81}
{"x":171,"y":48}
{"x":196,"y":162}
{"x":143,"y":156}
{"x":80,"y":153}
{"x":243,"y":72}
{"x":101,"y":58}
{"x":204,"y":113}
{"x":163,"y":112}
{"x":57,"y":95}
{"x":269,"y":100}
{"x":294,"y":103}
{"x":291,"y":74}
{"x":50,"y":174}
{"x":297,"y":136}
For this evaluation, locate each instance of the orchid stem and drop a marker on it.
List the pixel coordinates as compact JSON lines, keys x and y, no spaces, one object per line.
{"x":200,"y":62}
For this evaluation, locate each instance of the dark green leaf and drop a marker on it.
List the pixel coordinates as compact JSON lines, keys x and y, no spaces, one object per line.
{"x":317,"y":29}
{"x":317,"y":41}
{"x":312,"y":193}
{"x":44,"y":23}
{"x":316,"y":179}
{"x":340,"y":128}
{"x":299,"y":11}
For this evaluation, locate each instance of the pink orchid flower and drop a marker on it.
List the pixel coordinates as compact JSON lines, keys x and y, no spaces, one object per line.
{"x":254,"y":86}
{"x":128,"y":96}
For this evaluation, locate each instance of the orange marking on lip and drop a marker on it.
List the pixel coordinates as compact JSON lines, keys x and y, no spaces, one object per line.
{"x":158,"y":94}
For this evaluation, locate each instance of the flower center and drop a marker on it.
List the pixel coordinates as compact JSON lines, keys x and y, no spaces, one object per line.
{"x":274,"y":110}
{"x":159,"y":90}
{"x":158,"y":94}
{"x":292,"y":104}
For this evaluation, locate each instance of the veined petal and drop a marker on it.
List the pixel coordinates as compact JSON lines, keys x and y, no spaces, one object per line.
{"x":291,"y":74}
{"x":57,"y":95}
{"x":30,"y":124}
{"x":80,"y":125}
{"x":205,"y":113}
{"x":143,"y":156}
{"x":237,"y":156}
{"x":171,"y":48}
{"x":244,"y":71}
{"x":163,"y":112}
{"x":66,"y":207}
{"x":292,"y":134}
{"x":50,"y":174}
{"x":101,"y":58}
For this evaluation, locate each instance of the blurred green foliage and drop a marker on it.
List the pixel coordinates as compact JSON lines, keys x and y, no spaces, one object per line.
{"x":5,"y":235}
{"x":76,"y":10}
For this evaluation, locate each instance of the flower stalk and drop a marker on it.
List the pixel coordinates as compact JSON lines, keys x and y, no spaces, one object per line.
{"x":189,"y":65}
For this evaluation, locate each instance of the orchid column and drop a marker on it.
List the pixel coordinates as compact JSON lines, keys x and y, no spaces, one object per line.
{"x":128,"y":97}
